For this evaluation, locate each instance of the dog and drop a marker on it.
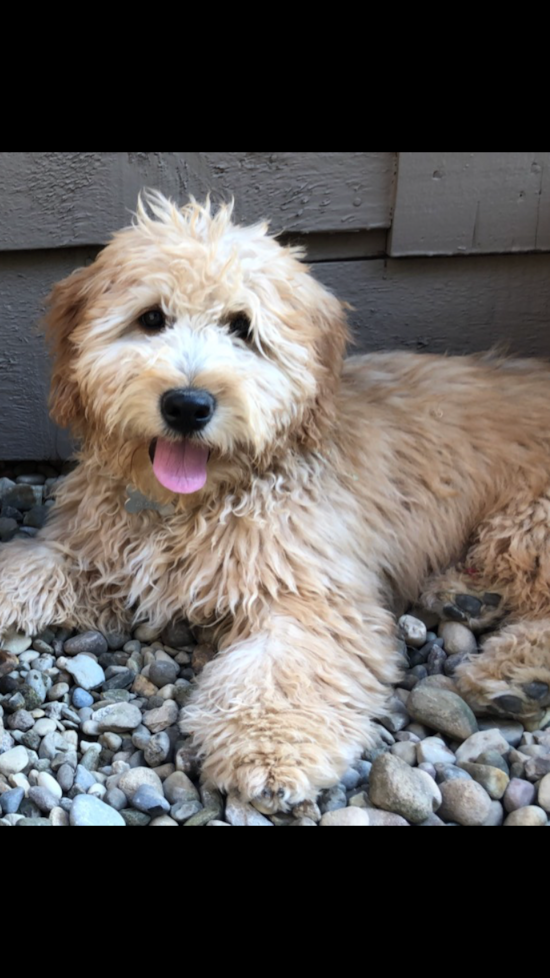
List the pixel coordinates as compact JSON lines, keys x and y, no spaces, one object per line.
{"x":294,"y":501}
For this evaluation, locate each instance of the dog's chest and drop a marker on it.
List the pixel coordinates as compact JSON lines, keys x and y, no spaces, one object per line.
{"x":203,"y":567}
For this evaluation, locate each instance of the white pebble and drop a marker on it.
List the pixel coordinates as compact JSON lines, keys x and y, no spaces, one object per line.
{"x":432,"y":750}
{"x":44,"y":726}
{"x":413,"y":630}
{"x":457,"y":638}
{"x":58,"y":816}
{"x":19,"y":781}
{"x":16,"y":642}
{"x":98,"y":790}
{"x":45,"y":780}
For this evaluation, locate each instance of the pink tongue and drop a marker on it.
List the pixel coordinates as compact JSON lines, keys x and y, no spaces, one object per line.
{"x":180,"y":466}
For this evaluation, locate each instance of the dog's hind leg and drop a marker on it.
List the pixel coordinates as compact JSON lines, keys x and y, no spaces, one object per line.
{"x":510,"y":558}
{"x":282,"y":713}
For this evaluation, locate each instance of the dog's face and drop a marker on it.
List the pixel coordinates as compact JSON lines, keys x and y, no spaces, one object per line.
{"x":192,"y":347}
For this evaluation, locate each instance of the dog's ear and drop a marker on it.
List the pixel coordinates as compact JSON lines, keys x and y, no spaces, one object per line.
{"x":330,"y":335}
{"x":64,"y":312}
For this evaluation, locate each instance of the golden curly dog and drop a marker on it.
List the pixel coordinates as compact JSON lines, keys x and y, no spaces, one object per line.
{"x":300,"y":500}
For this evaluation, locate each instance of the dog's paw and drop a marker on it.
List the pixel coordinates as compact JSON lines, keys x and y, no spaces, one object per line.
{"x":270,"y":786}
{"x":511,"y":676}
{"x":454,"y":596}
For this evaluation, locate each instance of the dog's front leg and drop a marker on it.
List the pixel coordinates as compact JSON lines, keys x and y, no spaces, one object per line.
{"x":35,"y":588}
{"x":283,"y":712}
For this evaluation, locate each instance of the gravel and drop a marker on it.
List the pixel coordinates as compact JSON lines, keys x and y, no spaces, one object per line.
{"x":89,"y":730}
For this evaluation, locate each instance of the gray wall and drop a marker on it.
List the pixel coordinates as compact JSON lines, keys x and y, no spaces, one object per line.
{"x":368,"y":221}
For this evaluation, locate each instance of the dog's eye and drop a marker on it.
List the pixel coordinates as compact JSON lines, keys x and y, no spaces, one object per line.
{"x":153,"y":319}
{"x":239,"y":325}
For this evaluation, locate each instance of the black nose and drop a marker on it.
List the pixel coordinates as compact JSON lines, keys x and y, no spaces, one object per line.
{"x":187,"y":410}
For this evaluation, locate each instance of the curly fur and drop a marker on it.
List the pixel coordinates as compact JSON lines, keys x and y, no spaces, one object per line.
{"x":334,"y":489}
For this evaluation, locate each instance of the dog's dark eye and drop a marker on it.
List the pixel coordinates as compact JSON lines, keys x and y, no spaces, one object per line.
{"x":154,"y":319}
{"x":239,"y":325}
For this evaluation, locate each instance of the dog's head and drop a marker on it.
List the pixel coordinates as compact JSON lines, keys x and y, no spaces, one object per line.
{"x":195,"y":346}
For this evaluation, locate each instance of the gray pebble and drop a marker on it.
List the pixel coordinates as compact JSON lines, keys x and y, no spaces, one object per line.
{"x":65,"y":777}
{"x":518,"y":794}
{"x":11,"y":800}
{"x":511,"y":730}
{"x":344,"y":816}
{"x":479,"y":742}
{"x":496,"y":814}
{"x":22,"y":720}
{"x":434,"y":751}
{"x":36,"y":516}
{"x":441,"y":710}
{"x":23,"y":497}
{"x":494,"y":759}
{"x":530,"y":815}
{"x":406,"y":751}
{"x":93,"y":642}
{"x":436,"y":660}
{"x":163,"y":673}
{"x":177,"y":634}
{"x":132,"y":817}
{"x":117,"y":640}
{"x":121,"y":679}
{"x":147,"y":800}
{"x":544,"y":793}
{"x":465,"y":802}
{"x":432,"y":820}
{"x":157,"y":749}
{"x":116,"y":799}
{"x":396,"y":787}
{"x":43,"y":799}
{"x":87,"y":810}
{"x":331,"y":799}
{"x":457,"y":638}
{"x":537,"y":767}
{"x":131,"y":780}
{"x":159,"y":719}
{"x":8,"y":529}
{"x":449,"y":772}
{"x":36,"y":681}
{"x":492,"y":779}
{"x":84,"y":778}
{"x":239,"y":812}
{"x":118,"y":717}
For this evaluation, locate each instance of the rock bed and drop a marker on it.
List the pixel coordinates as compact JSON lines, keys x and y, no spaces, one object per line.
{"x":90,"y":728}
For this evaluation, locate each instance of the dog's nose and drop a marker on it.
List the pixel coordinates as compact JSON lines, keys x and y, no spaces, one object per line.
{"x":187,"y":410}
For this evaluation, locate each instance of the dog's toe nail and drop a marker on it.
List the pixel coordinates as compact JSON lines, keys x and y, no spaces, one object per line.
{"x":536,"y":691}
{"x":492,"y":599}
{"x":455,"y":614}
{"x":469,"y":604}
{"x":509,"y":703}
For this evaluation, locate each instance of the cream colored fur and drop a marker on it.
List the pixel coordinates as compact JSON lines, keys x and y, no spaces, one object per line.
{"x":333,"y":492}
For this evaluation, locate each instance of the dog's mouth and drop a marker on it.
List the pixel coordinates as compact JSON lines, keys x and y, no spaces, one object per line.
{"x":179,"y":466}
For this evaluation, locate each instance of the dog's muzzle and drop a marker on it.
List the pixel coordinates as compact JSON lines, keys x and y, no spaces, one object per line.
{"x":187,"y":410}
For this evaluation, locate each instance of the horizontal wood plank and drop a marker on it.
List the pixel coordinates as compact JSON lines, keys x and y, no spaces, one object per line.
{"x":471,"y":203}
{"x":59,"y":200}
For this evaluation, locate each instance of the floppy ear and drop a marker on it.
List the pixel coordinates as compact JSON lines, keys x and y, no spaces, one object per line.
{"x":330,"y":336}
{"x":65,"y":306}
